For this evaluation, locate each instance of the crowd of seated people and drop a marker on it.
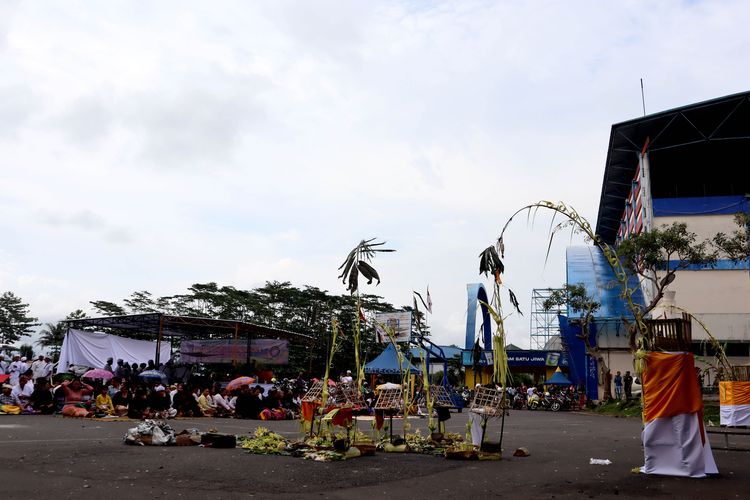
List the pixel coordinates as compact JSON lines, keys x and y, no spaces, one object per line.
{"x":126,"y":394}
{"x":140,"y":400}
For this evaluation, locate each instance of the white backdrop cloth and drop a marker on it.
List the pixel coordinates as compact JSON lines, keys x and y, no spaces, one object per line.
{"x":734,"y":415}
{"x":673,"y":447}
{"x":93,"y":348}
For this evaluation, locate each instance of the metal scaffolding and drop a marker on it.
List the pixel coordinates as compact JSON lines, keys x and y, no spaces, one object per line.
{"x":544,"y":324}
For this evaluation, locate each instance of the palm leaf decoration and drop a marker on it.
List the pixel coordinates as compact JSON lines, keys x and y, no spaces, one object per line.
{"x":358,"y":262}
{"x":490,"y":263}
{"x":514,"y":301}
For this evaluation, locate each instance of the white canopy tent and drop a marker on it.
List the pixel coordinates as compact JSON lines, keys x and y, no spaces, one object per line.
{"x":93,"y":348}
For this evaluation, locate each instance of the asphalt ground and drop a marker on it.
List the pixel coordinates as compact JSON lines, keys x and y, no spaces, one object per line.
{"x":55,"y":457}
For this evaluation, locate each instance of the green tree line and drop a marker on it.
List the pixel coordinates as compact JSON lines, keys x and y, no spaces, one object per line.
{"x":307,"y":310}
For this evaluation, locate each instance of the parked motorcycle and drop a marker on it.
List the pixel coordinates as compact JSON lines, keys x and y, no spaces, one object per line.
{"x":544,"y":402}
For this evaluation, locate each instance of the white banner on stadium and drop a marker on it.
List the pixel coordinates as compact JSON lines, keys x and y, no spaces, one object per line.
{"x":398,"y":322}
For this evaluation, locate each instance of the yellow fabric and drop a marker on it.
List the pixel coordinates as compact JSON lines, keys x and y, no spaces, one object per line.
{"x":104,"y":402}
{"x":10,"y":409}
{"x":204,"y":404}
{"x":669,"y":386}
{"x":734,"y":393}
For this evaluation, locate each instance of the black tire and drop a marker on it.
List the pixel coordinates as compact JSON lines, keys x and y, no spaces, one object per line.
{"x":555,"y":406}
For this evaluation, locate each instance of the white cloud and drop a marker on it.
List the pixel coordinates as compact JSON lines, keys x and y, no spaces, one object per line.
{"x":151,"y":146}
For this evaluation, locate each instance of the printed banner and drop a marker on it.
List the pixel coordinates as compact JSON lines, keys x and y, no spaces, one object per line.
{"x":263,"y":351}
{"x":398,"y":322}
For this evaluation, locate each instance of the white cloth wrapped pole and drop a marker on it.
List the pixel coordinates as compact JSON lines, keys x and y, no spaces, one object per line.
{"x":93,"y":348}
{"x":734,"y":398}
{"x":674,"y":440}
{"x":476,"y":429}
{"x":674,"y":446}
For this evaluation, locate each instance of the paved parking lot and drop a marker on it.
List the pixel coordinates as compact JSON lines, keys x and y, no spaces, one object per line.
{"x":53,"y":457}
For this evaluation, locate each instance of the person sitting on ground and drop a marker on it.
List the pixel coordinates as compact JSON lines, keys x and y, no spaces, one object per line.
{"x":121,"y":401}
{"x":22,"y":393}
{"x":8,"y":402}
{"x":172,"y":391}
{"x":247,"y":404}
{"x":138,"y":408}
{"x":206,"y":404}
{"x":76,"y":391}
{"x":41,"y":399}
{"x":222,"y":404}
{"x":231,"y":400}
{"x":185,"y":404}
{"x":104,"y":402}
{"x":196,"y":392}
{"x":272,"y":408}
{"x":159,"y":403}
{"x":114,"y":386}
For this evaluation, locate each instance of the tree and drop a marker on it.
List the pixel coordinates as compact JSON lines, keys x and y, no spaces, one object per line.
{"x":737,"y":245}
{"x":53,"y":334}
{"x":26,"y":351}
{"x":140,"y":303}
{"x":108,"y":308}
{"x":578,"y":300}
{"x":658,"y":254}
{"x":15,"y":321}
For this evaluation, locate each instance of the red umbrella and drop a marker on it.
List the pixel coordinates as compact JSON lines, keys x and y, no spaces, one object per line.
{"x":98,"y":373}
{"x":239,"y":382}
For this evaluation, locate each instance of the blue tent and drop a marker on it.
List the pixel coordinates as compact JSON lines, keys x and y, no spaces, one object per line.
{"x":558,"y":378}
{"x":387,"y":363}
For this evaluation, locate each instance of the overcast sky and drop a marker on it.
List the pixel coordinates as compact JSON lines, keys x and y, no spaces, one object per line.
{"x":152,"y":145}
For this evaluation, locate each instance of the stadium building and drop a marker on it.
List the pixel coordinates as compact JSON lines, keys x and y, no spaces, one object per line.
{"x":690,"y":164}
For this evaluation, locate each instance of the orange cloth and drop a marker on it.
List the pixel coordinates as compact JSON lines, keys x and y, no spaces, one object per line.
{"x":308,"y":410}
{"x":343,"y":417}
{"x":669,"y":386}
{"x":734,"y":393}
{"x":379,"y":419}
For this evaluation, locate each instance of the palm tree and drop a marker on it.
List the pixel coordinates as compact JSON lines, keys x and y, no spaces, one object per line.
{"x":52,"y":337}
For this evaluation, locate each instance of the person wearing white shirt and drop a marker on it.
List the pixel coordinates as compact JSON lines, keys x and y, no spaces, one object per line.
{"x":16,"y":368}
{"x":48,"y":367}
{"x":3,"y":365}
{"x":37,"y":368}
{"x":23,"y":391}
{"x":221,"y":403}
